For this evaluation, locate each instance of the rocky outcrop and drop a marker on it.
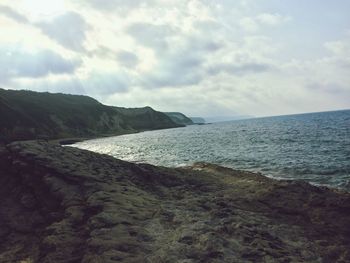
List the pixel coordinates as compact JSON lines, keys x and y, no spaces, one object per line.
{"x":179,"y":118}
{"x":32,"y":115}
{"x":62,"y":204}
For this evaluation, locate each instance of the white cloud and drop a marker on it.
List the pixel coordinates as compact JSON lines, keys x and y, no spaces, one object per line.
{"x":338,"y":47}
{"x":249,"y":24}
{"x":260,"y":21}
{"x":273,"y":19}
{"x":151,"y":35}
{"x":114,"y":5}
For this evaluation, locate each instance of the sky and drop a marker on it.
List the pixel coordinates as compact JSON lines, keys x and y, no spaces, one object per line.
{"x":202,"y":58}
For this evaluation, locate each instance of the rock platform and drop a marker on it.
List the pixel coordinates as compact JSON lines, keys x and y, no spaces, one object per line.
{"x":63,"y":204}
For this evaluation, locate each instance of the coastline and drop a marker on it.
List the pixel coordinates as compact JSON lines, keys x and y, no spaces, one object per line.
{"x":63,"y":204}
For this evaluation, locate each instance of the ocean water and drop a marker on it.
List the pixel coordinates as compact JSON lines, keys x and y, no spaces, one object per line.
{"x":314,"y":147}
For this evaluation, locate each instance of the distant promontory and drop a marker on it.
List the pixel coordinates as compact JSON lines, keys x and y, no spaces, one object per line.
{"x":197,"y":120}
{"x":179,"y":118}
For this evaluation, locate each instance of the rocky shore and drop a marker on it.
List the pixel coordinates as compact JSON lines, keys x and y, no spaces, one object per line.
{"x":62,"y":204}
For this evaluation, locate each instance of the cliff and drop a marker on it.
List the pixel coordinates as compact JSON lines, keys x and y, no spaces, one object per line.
{"x":62,"y":204}
{"x":179,"y":118}
{"x":29,"y":115}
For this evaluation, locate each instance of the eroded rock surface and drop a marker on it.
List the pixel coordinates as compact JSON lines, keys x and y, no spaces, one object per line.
{"x":61,"y":204}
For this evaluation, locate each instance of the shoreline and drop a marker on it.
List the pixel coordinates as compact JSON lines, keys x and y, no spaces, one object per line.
{"x":63,"y":204}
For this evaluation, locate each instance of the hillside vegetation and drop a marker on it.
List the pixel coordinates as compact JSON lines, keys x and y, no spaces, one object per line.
{"x":30,"y":115}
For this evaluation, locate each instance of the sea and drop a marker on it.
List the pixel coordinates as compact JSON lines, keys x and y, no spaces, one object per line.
{"x":314,"y":147}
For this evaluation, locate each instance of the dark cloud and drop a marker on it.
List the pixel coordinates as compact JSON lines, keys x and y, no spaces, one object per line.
{"x":127,"y":59}
{"x":150,"y":35}
{"x":69,"y":30}
{"x":19,"y":63}
{"x":9,"y":12}
{"x":240,"y":69}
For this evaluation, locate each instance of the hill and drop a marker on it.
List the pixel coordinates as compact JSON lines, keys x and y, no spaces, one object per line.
{"x":179,"y":118}
{"x":30,"y":115}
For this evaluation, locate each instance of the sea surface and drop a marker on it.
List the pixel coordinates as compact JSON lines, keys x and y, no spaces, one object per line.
{"x":314,"y":147}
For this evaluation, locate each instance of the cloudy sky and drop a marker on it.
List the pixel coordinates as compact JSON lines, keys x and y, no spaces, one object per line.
{"x":200,"y":57}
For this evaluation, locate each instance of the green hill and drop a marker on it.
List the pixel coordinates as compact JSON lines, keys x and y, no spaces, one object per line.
{"x":30,"y":115}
